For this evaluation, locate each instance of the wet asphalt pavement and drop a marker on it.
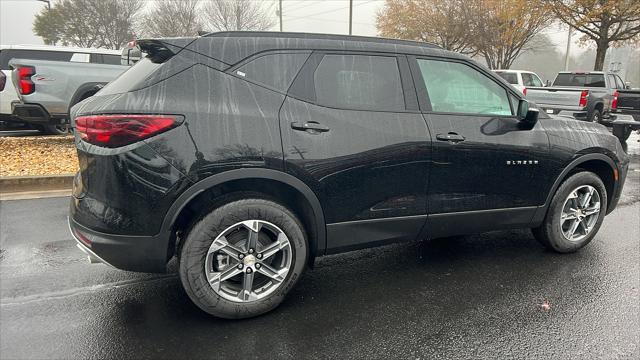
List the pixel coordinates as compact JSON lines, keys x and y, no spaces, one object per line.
{"x":496,"y":295}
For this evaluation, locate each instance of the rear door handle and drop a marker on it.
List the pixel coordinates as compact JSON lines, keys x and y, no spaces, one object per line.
{"x":309,"y":126}
{"x":451,"y":137}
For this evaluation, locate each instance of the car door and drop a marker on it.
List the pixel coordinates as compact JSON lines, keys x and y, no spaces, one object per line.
{"x":352,"y":131}
{"x":487,"y":166}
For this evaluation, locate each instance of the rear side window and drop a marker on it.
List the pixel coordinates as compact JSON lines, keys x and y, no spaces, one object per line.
{"x":7,"y":54}
{"x":612,"y":82}
{"x":275,"y":71}
{"x":512,"y":78}
{"x":586,"y":80}
{"x":530,"y":80}
{"x":458,"y":88}
{"x":619,"y":82}
{"x":359,"y":82}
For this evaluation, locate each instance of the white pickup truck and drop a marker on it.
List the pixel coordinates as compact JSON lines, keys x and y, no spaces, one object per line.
{"x":50,"y":78}
{"x":590,"y":96}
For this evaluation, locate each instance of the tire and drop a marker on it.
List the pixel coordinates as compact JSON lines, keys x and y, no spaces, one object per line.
{"x":596,"y":116}
{"x":61,"y":129}
{"x":200,"y":265}
{"x":622,"y":132}
{"x":551,"y":233}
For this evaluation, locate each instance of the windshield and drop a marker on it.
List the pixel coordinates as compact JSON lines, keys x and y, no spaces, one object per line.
{"x":585,"y":80}
{"x":512,"y":78}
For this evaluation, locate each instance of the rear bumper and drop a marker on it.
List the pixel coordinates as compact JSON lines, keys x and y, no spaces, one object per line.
{"x":31,"y":113}
{"x":132,"y":253}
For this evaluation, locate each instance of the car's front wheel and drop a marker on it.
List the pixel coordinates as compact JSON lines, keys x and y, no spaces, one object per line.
{"x":241,"y":259}
{"x":575,"y":213}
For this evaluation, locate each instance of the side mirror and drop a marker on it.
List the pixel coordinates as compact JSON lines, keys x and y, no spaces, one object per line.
{"x":547,"y":83}
{"x":627,"y":85}
{"x":526,"y":114}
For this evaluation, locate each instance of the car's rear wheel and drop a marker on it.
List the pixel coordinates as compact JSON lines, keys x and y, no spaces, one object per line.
{"x":575,"y":213}
{"x":241,"y":259}
{"x":58,"y":129}
{"x":596,"y":116}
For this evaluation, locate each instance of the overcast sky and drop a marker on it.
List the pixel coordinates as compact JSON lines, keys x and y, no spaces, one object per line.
{"x":321,"y":16}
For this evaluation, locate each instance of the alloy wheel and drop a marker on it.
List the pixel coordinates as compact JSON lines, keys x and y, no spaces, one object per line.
{"x":580,"y":213}
{"x":248,"y":261}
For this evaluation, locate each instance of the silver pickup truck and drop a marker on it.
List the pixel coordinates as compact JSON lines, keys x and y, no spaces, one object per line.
{"x":588,"y":95}
{"x":48,"y":89}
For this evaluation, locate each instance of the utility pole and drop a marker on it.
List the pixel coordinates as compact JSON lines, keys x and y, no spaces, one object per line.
{"x":566,"y":56}
{"x":350,"y":16}
{"x":48,"y":3}
{"x":280,"y":13}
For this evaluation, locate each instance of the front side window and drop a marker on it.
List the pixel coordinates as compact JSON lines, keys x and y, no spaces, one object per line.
{"x":359,"y":82}
{"x":530,"y":80}
{"x":458,"y":88}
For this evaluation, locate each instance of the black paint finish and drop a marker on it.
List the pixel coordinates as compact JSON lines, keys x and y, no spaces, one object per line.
{"x":358,"y":177}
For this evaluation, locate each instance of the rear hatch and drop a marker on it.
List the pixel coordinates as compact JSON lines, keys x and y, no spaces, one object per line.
{"x":554,"y":96}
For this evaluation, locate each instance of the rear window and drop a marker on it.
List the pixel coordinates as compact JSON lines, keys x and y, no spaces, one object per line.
{"x":586,"y":80}
{"x":105,"y":59}
{"x":130,"y":78}
{"x":511,"y":78}
{"x":7,"y":54}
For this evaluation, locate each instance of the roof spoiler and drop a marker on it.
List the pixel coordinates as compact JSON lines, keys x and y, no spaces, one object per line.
{"x":161,"y":50}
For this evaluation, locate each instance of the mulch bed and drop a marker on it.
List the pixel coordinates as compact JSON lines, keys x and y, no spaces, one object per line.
{"x":37,"y":155}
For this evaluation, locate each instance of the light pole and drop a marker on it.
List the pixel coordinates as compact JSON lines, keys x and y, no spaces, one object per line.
{"x":350,"y":16}
{"x":48,"y":3}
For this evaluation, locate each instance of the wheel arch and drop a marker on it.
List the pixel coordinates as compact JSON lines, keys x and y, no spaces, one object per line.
{"x":600,"y":164}
{"x":84,"y":89}
{"x":282,"y":187}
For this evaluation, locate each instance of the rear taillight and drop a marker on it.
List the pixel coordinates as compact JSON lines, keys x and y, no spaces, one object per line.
{"x":583,"y":97}
{"x":3,"y":80}
{"x":25,"y":85}
{"x":119,"y":130}
{"x":524,"y":91}
{"x":614,"y":102}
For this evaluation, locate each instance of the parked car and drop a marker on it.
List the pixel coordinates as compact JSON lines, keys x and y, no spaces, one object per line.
{"x":628,"y":103}
{"x":588,"y":95}
{"x":521,"y":79}
{"x":9,"y":95}
{"x":271,"y":149}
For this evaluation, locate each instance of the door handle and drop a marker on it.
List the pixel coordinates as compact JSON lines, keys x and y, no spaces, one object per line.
{"x":309,"y":125}
{"x":450,"y":137}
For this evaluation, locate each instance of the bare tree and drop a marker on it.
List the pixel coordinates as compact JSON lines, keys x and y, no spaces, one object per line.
{"x":246,"y":15}
{"x":603,"y":22}
{"x":169,"y":18}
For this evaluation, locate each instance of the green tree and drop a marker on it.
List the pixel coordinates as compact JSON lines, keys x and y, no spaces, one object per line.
{"x":88,"y":23}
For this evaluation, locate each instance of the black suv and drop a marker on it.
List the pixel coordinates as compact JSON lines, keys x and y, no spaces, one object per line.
{"x":247,"y":155}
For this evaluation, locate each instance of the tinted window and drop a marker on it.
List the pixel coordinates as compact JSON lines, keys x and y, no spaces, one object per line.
{"x":105,"y":59}
{"x":359,"y":82}
{"x":512,"y":78}
{"x":273,"y":70}
{"x":530,"y":80}
{"x":612,"y":82}
{"x":131,"y":77}
{"x":7,"y":54}
{"x":586,"y":80}
{"x":459,"y":88}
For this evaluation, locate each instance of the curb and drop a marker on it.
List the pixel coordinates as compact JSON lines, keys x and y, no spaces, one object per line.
{"x":19,"y":184}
